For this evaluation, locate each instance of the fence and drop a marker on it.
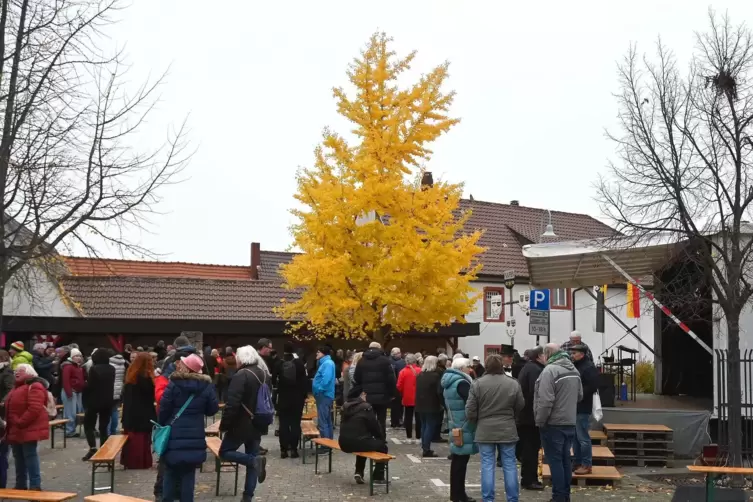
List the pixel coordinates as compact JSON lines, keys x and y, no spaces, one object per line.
{"x":723,"y":363}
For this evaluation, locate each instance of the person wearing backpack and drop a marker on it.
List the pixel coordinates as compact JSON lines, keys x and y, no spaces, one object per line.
{"x":188,"y":398}
{"x":406,"y":385}
{"x":291,"y":394}
{"x":247,"y":416}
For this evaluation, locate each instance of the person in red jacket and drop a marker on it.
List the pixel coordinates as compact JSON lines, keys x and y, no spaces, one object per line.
{"x":73,"y":383}
{"x":406,"y":385}
{"x":26,"y":424}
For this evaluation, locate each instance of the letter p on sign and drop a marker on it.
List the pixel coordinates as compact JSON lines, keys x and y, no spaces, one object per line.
{"x":539,"y":299}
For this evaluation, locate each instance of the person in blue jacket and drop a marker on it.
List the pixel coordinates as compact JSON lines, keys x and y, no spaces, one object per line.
{"x":324,"y":392}
{"x":187,"y":447}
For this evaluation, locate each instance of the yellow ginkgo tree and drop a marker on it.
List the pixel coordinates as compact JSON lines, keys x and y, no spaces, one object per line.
{"x":382,"y":253}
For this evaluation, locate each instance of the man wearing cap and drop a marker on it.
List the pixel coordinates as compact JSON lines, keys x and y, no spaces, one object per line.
{"x":323,"y":388}
{"x":589,"y":377}
{"x":478,"y":368}
{"x":576,"y":339}
{"x":19,"y":355}
{"x":43,"y":363}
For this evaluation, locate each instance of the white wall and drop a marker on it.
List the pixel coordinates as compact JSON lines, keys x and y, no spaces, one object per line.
{"x":494,"y":333}
{"x":43,"y":301}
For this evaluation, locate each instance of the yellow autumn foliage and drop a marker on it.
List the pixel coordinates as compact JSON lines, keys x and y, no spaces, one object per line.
{"x":381,"y":254}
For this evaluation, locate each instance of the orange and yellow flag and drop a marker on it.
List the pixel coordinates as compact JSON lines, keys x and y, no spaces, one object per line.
{"x":633,"y":302}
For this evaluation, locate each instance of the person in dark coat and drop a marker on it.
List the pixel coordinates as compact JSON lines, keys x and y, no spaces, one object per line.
{"x":183,"y":348}
{"x":396,"y":409}
{"x":361,"y":431}
{"x":589,"y":378}
{"x":43,"y":363}
{"x":138,"y":413}
{"x":530,"y":440}
{"x":376,"y":376}
{"x":98,"y":399}
{"x":429,"y":401}
{"x":290,"y":380}
{"x":239,"y":425}
{"x":187,"y":446}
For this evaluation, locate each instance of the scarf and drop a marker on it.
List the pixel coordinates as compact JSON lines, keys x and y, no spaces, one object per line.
{"x":557,"y":356}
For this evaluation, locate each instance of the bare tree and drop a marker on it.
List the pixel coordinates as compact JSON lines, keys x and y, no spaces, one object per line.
{"x":69,"y":169}
{"x":684,"y":168}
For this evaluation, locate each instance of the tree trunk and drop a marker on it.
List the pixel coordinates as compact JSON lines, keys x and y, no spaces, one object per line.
{"x":734,"y":391}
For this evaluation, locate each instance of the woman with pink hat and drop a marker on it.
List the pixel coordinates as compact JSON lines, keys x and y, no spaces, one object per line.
{"x":187,"y":447}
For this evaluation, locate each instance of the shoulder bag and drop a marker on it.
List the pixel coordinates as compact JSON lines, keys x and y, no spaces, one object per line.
{"x":161,"y":433}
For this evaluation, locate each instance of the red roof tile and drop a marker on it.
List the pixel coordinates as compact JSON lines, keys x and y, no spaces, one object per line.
{"x":96,"y":267}
{"x":174,"y":298}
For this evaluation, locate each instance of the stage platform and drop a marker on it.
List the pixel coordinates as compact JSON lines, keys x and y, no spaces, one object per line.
{"x":688,"y":418}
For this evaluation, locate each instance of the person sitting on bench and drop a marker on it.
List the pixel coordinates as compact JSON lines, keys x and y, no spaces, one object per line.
{"x":360,"y":432}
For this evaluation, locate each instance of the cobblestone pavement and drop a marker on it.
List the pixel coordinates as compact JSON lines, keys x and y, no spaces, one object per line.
{"x":413,"y":479}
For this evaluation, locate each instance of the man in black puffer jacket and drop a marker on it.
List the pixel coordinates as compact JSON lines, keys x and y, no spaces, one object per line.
{"x":360,"y":431}
{"x":375,"y":375}
{"x":530,"y":440}
{"x":98,"y":399}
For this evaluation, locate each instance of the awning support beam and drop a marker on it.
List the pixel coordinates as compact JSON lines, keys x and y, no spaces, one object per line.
{"x":656,"y":302}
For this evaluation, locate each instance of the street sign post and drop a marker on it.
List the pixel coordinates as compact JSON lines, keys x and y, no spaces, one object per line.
{"x":538,"y":322}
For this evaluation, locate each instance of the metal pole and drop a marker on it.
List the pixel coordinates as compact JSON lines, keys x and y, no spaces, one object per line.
{"x":656,"y":302}
{"x":620,"y":322}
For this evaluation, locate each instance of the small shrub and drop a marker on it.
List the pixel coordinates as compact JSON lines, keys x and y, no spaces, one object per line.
{"x":644,"y":374}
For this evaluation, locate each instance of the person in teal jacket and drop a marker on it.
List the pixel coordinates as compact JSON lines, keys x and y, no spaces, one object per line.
{"x":324,"y":393}
{"x":456,"y":385}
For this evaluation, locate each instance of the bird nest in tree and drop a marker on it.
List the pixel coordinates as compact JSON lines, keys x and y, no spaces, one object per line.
{"x":724,"y":83}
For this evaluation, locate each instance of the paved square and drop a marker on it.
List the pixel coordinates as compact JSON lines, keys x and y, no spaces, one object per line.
{"x":413,"y":478}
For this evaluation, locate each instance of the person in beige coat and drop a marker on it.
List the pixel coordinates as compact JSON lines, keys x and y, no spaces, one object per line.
{"x":494,"y":402}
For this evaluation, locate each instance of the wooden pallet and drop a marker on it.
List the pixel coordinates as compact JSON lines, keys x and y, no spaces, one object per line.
{"x":601,"y":455}
{"x":642,"y":461}
{"x":598,"y":437}
{"x":638,"y":432}
{"x":601,"y":475}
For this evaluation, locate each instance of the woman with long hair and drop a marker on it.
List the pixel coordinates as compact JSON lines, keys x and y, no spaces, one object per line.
{"x":138,"y":413}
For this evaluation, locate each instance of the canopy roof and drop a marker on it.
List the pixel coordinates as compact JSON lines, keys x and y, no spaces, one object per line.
{"x":581,"y":263}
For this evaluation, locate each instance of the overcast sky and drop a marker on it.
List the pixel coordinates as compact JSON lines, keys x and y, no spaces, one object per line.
{"x":534,"y":84}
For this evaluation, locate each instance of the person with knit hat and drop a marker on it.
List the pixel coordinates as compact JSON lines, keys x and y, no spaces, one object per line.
{"x":19,"y":355}
{"x":187,"y":447}
{"x":289,"y":378}
{"x":73,"y":382}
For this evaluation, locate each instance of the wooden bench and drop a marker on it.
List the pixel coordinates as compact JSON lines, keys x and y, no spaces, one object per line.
{"x":213,"y":430}
{"x":104,"y":459}
{"x":308,"y":433}
{"x":712,"y":472}
{"x":41,"y":496}
{"x":58,"y":423}
{"x":214,"y":443}
{"x":309,"y":415}
{"x":373,"y":456}
{"x":112,"y":497}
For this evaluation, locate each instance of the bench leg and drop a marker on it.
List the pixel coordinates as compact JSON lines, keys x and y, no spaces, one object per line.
{"x":93,"y":471}
{"x":217,"y":468}
{"x":330,"y":460}
{"x":52,"y":436}
{"x":387,"y":478}
{"x":709,"y":487}
{"x":112,"y":477}
{"x":316,"y":462}
{"x":235,"y":491}
{"x":371,"y":477}
{"x":65,"y":439}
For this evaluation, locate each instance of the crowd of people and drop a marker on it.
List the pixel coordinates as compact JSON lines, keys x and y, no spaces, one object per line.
{"x":504,"y":410}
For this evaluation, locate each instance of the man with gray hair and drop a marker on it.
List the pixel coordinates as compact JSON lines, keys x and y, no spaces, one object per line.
{"x":575,"y":340}
{"x":396,"y":408}
{"x":556,"y":395}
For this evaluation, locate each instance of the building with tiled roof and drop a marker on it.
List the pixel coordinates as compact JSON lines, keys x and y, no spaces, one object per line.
{"x":153,"y":298}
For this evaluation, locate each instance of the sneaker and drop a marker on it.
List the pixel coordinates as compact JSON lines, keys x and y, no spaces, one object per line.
{"x":294,"y":454}
{"x":89,"y":454}
{"x":322,"y":450}
{"x":263,"y":451}
{"x":74,"y":435}
{"x":358,"y":478}
{"x":429,"y":454}
{"x":260,"y":464}
{"x":283,"y":453}
{"x":574,"y":467}
{"x":533,"y":487}
{"x":582,"y":470}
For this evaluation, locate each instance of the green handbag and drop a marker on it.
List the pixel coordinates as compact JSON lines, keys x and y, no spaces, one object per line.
{"x":161,"y":433}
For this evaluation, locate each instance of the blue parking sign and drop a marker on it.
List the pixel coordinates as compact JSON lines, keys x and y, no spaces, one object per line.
{"x":539,"y":299}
